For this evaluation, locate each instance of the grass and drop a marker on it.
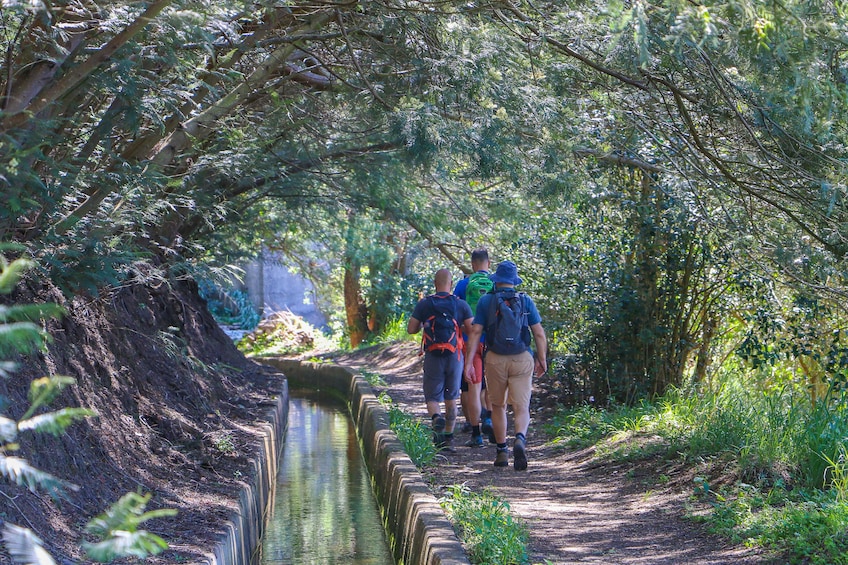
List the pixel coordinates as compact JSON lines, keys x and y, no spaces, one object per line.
{"x":487,"y":529}
{"x":417,"y":438}
{"x":376,"y":380}
{"x":790,"y":489}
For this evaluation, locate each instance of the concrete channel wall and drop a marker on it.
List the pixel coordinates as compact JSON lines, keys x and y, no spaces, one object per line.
{"x":243,"y":533}
{"x":418,"y":530}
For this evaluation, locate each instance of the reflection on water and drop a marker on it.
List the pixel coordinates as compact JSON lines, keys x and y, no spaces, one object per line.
{"x":324,"y":511}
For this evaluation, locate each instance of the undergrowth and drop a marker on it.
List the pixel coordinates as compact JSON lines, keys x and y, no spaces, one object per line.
{"x":789,"y":492}
{"x":416,"y":437}
{"x":487,"y":529}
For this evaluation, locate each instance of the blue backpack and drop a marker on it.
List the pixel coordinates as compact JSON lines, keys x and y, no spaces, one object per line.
{"x":507,"y":328}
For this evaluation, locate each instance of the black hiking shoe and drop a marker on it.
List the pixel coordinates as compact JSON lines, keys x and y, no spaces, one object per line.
{"x":519,"y":454}
{"x":447,"y":443}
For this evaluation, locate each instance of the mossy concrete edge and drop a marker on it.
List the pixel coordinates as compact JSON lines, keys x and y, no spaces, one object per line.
{"x":243,"y":531}
{"x":421,"y":533}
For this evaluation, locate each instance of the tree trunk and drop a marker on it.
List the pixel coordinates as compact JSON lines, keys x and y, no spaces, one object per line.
{"x":355,"y":309}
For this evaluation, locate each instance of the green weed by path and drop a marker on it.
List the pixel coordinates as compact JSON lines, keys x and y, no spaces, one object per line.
{"x":417,"y":439}
{"x":487,"y":529}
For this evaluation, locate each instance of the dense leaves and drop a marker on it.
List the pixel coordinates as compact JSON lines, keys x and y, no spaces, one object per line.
{"x":638,"y":160}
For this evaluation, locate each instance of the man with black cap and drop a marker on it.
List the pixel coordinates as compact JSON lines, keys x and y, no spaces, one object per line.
{"x":508,"y":318}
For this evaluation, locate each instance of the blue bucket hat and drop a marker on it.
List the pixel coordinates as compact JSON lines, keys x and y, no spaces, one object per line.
{"x":507,"y":273}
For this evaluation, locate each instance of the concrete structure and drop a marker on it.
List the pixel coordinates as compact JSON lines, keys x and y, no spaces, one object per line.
{"x":272,"y":287}
{"x":418,"y":530}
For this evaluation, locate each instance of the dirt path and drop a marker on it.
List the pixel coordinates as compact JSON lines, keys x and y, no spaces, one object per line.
{"x":578,"y":509}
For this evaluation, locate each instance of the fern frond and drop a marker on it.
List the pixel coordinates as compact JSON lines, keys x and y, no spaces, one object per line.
{"x":117,"y":528}
{"x":122,"y":515}
{"x":31,"y":312}
{"x":54,"y":422}
{"x":24,"y":546}
{"x":20,"y":337}
{"x":12,"y":273}
{"x":20,"y":472}
{"x":8,"y":430}
{"x":125,"y":544}
{"x":44,"y":390}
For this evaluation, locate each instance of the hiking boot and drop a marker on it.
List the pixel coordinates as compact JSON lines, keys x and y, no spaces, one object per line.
{"x":447,"y":444}
{"x":475,"y":441}
{"x":438,"y":423}
{"x":466,"y":428}
{"x":502,"y":458}
{"x":486,"y":428}
{"x":519,"y":454}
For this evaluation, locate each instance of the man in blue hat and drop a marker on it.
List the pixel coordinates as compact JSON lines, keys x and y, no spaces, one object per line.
{"x":508,"y":318}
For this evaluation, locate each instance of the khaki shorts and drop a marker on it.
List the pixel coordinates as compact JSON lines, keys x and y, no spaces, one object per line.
{"x":509,"y":378}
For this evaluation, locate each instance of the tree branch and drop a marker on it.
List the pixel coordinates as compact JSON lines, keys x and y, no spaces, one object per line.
{"x":81,"y":72}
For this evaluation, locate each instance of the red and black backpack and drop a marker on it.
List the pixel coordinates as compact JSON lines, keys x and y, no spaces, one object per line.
{"x":441,"y":333}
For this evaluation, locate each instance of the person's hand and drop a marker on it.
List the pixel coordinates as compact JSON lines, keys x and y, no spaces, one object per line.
{"x":539,"y":368}
{"x":470,"y":374}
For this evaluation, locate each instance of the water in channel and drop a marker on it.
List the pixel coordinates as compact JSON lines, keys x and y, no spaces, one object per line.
{"x":324,"y":510}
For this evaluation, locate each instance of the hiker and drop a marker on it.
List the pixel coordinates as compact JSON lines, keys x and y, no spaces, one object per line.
{"x":508,"y":318}
{"x":473,"y":395}
{"x":443,"y":318}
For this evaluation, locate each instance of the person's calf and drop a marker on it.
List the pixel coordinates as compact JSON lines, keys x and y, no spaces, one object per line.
{"x":450,"y":420}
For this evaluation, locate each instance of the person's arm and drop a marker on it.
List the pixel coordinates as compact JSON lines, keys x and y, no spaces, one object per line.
{"x":466,"y":325}
{"x":541,"y":340}
{"x":474,"y":333}
{"x":413,"y":326}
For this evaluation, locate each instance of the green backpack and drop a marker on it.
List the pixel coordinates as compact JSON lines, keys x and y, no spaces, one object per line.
{"x":478,"y":285}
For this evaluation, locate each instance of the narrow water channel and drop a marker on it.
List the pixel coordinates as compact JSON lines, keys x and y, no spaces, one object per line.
{"x":324,"y":510}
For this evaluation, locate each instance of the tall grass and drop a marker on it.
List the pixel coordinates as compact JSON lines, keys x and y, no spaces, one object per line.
{"x":394,"y":331}
{"x":790,"y":458}
{"x":487,"y":529}
{"x":417,"y":438}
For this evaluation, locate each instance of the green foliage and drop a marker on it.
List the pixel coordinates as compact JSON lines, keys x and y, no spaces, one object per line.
{"x":393,"y":331}
{"x":788,"y":456}
{"x":25,"y":547}
{"x":231,"y":306}
{"x":486,"y":527}
{"x":416,"y":437}
{"x":117,"y":530}
{"x":585,"y":425}
{"x":808,"y":526}
{"x":373,"y":379}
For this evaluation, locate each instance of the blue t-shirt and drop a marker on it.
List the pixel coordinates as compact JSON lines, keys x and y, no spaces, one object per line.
{"x":481,"y":316}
